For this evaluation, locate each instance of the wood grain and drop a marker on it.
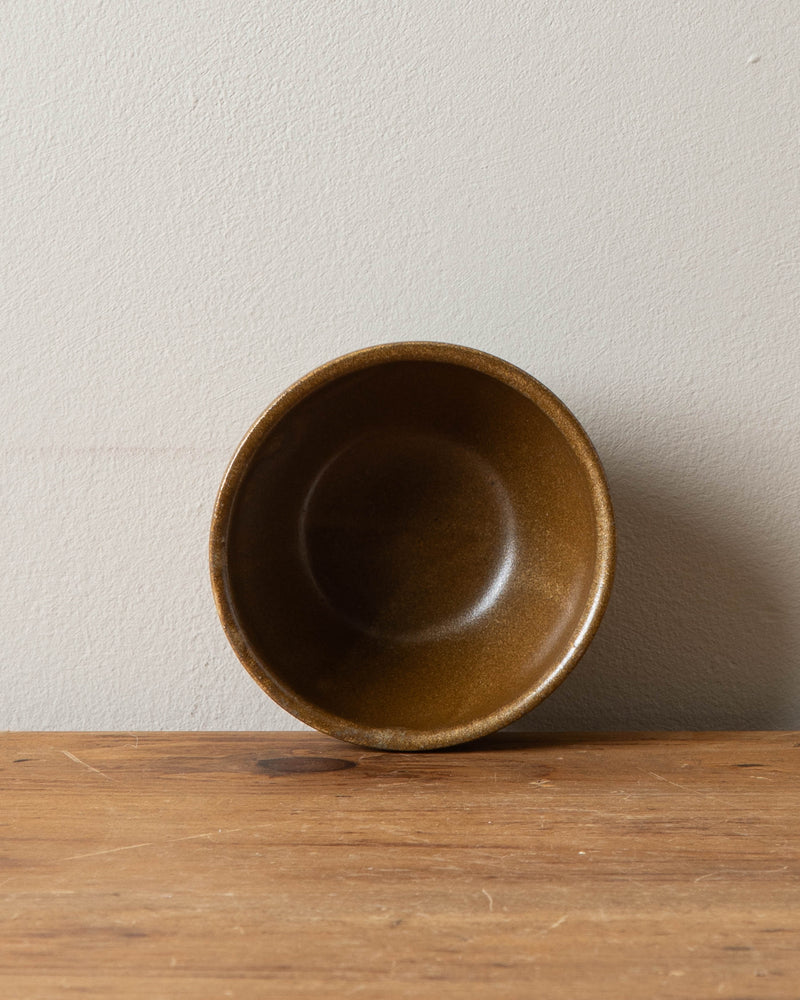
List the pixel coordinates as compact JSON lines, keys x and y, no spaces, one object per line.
{"x":294,"y":866}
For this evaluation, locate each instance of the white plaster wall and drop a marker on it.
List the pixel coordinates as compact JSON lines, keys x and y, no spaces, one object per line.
{"x":203,"y":201}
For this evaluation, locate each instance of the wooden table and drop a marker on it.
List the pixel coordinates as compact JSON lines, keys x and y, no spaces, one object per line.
{"x":277,"y":865}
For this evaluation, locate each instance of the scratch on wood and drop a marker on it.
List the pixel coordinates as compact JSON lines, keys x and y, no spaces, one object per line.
{"x":150,"y":843}
{"x":674,"y":784}
{"x":109,"y":850}
{"x":491,"y":901}
{"x":722,"y":872}
{"x":553,"y":926}
{"x":684,"y":788}
{"x":84,"y":764}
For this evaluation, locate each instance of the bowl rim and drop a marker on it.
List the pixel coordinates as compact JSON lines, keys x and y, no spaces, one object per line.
{"x":401,"y":738}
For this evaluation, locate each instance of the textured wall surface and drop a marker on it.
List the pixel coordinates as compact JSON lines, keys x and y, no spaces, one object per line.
{"x":201,"y":202}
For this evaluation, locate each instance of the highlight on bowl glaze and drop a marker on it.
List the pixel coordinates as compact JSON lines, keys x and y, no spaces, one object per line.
{"x":412,"y":546}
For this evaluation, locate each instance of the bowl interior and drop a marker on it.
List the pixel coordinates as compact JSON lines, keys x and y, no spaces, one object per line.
{"x":411,"y":546}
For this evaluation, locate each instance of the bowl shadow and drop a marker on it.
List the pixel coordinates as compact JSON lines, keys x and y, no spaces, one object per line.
{"x":697,"y":634}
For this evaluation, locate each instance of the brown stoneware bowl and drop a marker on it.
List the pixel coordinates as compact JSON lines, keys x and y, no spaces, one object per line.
{"x":412,"y":546}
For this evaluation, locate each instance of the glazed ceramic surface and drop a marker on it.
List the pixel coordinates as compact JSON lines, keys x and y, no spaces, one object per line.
{"x":412,"y":546}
